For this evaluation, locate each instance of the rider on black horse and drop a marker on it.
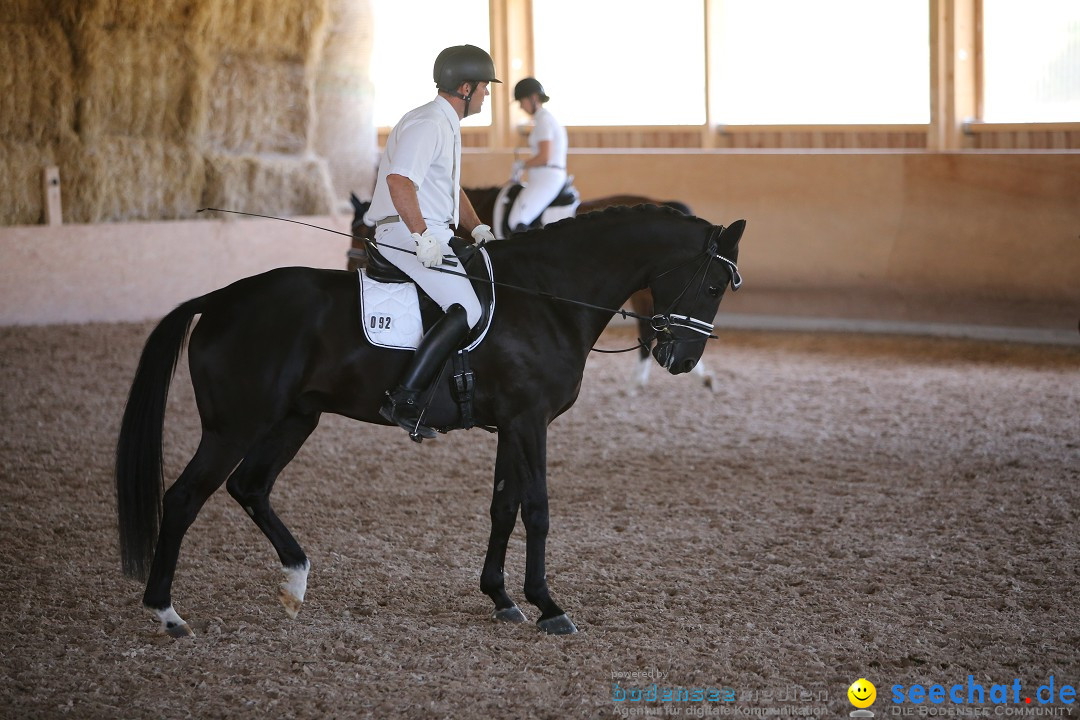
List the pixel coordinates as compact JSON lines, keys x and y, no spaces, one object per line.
{"x":417,"y":199}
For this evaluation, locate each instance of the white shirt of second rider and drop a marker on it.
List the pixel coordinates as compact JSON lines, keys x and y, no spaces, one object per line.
{"x":546,"y":127}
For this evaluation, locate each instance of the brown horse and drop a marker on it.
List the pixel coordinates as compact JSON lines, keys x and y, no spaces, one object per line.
{"x":483,"y":201}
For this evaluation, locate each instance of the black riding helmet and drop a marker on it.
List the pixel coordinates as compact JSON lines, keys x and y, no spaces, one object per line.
{"x":528,"y":86}
{"x":463,"y":63}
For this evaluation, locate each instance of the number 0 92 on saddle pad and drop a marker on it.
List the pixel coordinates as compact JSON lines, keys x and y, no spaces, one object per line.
{"x":390,"y":314}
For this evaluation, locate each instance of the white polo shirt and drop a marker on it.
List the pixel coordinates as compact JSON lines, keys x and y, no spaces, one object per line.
{"x":546,"y":127}
{"x":425,"y":146}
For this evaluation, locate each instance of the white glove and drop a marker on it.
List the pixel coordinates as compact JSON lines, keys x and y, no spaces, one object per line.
{"x":428,"y":248}
{"x":482,"y":234}
{"x":516,"y":171}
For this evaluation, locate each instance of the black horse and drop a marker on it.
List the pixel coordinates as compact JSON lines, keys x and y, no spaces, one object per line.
{"x":272,"y":352}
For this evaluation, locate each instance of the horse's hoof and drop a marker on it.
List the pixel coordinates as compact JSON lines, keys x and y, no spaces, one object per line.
{"x":558,"y":625}
{"x":291,"y":602}
{"x":172,"y":624}
{"x":178,"y":631}
{"x":511,"y":614}
{"x":291,"y":592}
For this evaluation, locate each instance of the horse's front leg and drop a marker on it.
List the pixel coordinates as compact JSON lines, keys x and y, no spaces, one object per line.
{"x":505,"y":501}
{"x":521,"y":462}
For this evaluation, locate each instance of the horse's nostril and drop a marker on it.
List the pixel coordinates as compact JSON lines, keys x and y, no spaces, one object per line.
{"x":688,"y":364}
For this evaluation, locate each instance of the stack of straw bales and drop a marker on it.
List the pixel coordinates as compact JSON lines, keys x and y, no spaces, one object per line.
{"x":345,"y":131}
{"x":155,"y":108}
{"x":260,"y":108}
{"x":37,"y":105}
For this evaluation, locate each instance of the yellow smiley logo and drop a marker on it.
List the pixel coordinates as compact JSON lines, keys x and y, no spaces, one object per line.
{"x":862,"y":693}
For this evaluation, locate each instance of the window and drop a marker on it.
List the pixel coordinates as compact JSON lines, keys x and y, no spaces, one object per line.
{"x":622,"y":62}
{"x":408,"y":36}
{"x":825,"y":62}
{"x":1031,"y":61}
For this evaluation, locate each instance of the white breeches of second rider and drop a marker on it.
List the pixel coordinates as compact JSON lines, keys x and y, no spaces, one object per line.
{"x":544,"y":186}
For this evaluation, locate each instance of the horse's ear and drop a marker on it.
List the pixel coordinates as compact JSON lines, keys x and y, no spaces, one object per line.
{"x":357,"y":205}
{"x":732,"y":233}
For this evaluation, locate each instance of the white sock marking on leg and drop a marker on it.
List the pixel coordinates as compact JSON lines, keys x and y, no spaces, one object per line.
{"x":296,"y":580}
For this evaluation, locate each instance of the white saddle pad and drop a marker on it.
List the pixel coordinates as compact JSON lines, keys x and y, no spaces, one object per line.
{"x":390,"y":313}
{"x":499,"y":212}
{"x":554,"y":213}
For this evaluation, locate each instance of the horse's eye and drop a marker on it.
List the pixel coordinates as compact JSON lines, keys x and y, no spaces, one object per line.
{"x":714,"y":291}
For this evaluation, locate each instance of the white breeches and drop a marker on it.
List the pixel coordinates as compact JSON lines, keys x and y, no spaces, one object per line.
{"x":544,"y":186}
{"x":445,"y":288}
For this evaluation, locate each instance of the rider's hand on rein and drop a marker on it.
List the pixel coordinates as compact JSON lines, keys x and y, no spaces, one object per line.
{"x":482,"y":234}
{"x":428,"y":248}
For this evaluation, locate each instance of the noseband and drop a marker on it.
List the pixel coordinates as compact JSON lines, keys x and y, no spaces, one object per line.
{"x":662,"y":323}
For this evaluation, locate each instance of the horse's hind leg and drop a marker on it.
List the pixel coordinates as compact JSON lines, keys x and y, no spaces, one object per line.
{"x":204,"y":474}
{"x":250,"y":485}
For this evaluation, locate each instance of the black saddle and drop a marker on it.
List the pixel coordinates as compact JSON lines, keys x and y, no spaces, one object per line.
{"x":379,"y":268}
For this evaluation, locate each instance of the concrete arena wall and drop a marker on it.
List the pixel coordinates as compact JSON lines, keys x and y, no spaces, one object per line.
{"x":990,"y":238}
{"x":987,"y":238}
{"x":141,"y":270}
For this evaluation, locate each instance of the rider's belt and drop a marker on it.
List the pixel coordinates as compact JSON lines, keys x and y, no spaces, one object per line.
{"x":387,"y":220}
{"x":555,"y":167}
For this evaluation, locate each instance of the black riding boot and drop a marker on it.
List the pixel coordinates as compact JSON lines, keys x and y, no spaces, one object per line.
{"x":401,"y":406}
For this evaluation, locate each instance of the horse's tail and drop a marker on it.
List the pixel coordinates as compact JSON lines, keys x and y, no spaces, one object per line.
{"x":139,"y":472}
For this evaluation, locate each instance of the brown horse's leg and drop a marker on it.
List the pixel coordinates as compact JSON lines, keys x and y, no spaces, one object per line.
{"x":251,"y":484}
{"x":203,"y":475}
{"x":641,"y":303}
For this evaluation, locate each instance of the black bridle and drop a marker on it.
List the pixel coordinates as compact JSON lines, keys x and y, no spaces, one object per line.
{"x":662,"y":323}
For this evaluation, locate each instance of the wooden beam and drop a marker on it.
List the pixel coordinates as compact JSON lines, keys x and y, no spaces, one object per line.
{"x":512,"y":50}
{"x":954,"y":71}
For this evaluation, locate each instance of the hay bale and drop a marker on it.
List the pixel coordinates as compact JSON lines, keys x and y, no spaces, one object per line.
{"x":20,"y":183}
{"x":37,"y":96}
{"x":344,"y":100}
{"x":127,"y":178}
{"x":284,"y":31}
{"x":257,"y":105}
{"x":153,"y":108}
{"x":28,"y":11}
{"x":130,"y":14}
{"x":135,"y":83}
{"x":268,"y":184}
